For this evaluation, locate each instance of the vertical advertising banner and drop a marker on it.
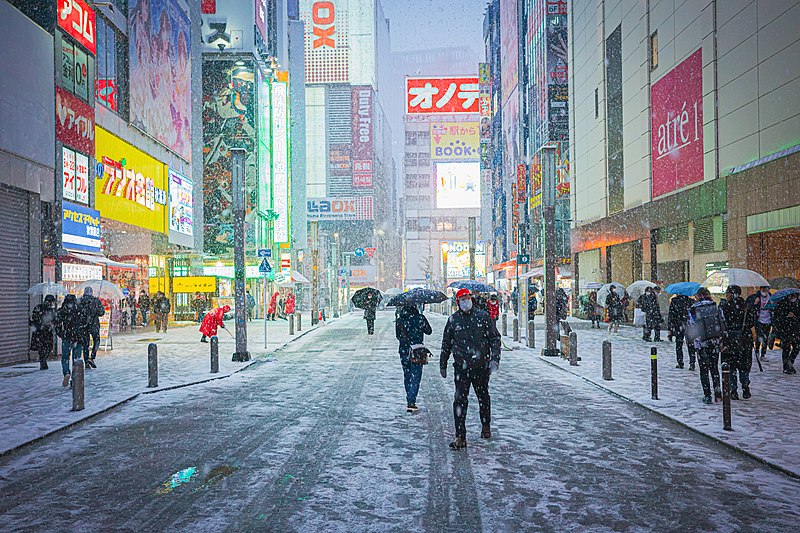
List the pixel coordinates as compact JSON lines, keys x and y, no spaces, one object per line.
{"x":326,"y":40}
{"x":557,"y":75}
{"x":180,"y":203}
{"x":509,"y":43}
{"x":74,"y":122}
{"x":280,"y":160}
{"x":676,"y":101}
{"x":77,"y":19}
{"x":81,"y":178}
{"x":68,"y":168}
{"x":362,"y":150}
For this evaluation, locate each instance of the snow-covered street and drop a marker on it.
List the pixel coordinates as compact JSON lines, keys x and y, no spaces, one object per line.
{"x":316,"y":438}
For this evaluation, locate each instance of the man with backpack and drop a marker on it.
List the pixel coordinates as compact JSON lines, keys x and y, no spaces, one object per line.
{"x":737,"y":343}
{"x":161,"y":309}
{"x":90,"y":309}
{"x":704,"y":328}
{"x":73,"y":333}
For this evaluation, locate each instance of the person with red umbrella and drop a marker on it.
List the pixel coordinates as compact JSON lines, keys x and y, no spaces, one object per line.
{"x":212,"y":321}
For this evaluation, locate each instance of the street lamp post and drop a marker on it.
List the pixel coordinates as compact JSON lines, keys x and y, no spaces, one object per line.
{"x":445,"y":249}
{"x":548,"y":158}
{"x":336,"y":265}
{"x":237,"y":182}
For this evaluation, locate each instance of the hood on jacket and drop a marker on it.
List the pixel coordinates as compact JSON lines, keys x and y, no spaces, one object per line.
{"x":408,"y":311}
{"x":70,"y":299}
{"x":226,"y":308}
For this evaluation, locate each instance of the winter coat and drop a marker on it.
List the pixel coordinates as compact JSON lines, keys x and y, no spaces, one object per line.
{"x":290,"y":304}
{"x":273,"y":304}
{"x":213,"y":320}
{"x":199,"y":305}
{"x":472,"y":338}
{"x":736,"y":318}
{"x":92,"y":308}
{"x":70,"y":324}
{"x":410,"y":328}
{"x":562,"y":304}
{"x":161,"y":305}
{"x":786,"y":319}
{"x":369,"y":312}
{"x":614,"y":306}
{"x":754,"y":307}
{"x":493,"y":307}
{"x":42,"y":322}
{"x":251,"y":302}
{"x":649,"y":304}
{"x":678,"y":313}
{"x":144,"y":303}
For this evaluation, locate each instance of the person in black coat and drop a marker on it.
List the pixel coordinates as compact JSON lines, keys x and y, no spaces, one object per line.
{"x":676,"y":323}
{"x":472,"y":337}
{"x":91,"y":309}
{"x":410,"y":329}
{"x":648,"y":303}
{"x":762,"y":319}
{"x":370,"y":307}
{"x":42,"y":322}
{"x":616,"y":311}
{"x":72,"y":329}
{"x":737,"y":342}
{"x":786,"y":320}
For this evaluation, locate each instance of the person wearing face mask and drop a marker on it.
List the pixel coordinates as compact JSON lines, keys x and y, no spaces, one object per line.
{"x":762,"y":318}
{"x":472,"y":337}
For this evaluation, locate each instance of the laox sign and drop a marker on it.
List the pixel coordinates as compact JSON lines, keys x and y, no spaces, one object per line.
{"x":332,"y":206}
{"x":323,"y":14}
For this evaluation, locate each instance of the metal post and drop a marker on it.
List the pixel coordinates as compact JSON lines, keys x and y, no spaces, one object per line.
{"x":299,"y":321}
{"x":152,"y":365}
{"x":291,"y":324}
{"x":214,"y":354}
{"x":266,"y":306}
{"x":654,"y":373}
{"x":726,"y":397}
{"x":335,"y":285}
{"x":573,"y":349}
{"x":504,"y":324}
{"x":314,"y":234}
{"x":515,"y":325}
{"x":347,"y":261}
{"x":548,"y":158}
{"x":607,"y":361}
{"x":472,"y":239}
{"x":531,"y":334}
{"x":77,"y":384}
{"x":238,"y":186}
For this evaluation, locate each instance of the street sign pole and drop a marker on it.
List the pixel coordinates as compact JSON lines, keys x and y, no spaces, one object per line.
{"x":238,"y":185}
{"x":347,"y":261}
{"x":548,"y":158}
{"x":265,"y":310}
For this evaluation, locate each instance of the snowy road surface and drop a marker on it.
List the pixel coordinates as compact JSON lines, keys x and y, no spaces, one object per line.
{"x":319,"y":440}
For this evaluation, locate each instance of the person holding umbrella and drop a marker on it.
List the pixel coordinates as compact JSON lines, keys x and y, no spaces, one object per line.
{"x":737,"y":343}
{"x":615,"y":309}
{"x":473,"y":340}
{"x":367,"y":299}
{"x":410,"y":330}
{"x":648,"y":302}
{"x":43,"y":319}
{"x":676,"y":323}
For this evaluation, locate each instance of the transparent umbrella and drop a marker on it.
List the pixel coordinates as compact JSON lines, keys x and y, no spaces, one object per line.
{"x":48,"y":287}
{"x":637,"y":288}
{"x":603,"y":292}
{"x":101,"y":289}
{"x":717,"y":282}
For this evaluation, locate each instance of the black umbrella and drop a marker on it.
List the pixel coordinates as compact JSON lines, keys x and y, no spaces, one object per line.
{"x":366,"y":297}
{"x":418,"y":296}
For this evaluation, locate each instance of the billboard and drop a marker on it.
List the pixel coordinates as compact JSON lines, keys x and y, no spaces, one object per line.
{"x":160,"y":89}
{"x":359,"y":275}
{"x":339,"y":159}
{"x":458,"y":260}
{"x":339,"y":208}
{"x":327,"y":50}
{"x":361,"y":152}
{"x":77,"y":19}
{"x":676,"y":101}
{"x":80,"y":228}
{"x":74,"y":122}
{"x":280,"y":159}
{"x":454,"y":141}
{"x":180,"y":203}
{"x":557,"y":77}
{"x":509,"y":47}
{"x":442,"y":95}
{"x":458,"y":185}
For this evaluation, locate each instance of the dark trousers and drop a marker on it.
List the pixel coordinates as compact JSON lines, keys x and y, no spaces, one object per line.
{"x":709,"y":364}
{"x":94,"y":334}
{"x":478,"y":378}
{"x":679,"y":338}
{"x":161,"y":322}
{"x":740,"y":364}
{"x":762,"y":337}
{"x":789,"y":349}
{"x":370,"y":326}
{"x":144,"y":317}
{"x":647,"y":329}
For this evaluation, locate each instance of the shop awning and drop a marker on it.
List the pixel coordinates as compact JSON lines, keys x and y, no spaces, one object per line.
{"x":538,"y":272}
{"x":102,"y":260}
{"x":299,"y":278}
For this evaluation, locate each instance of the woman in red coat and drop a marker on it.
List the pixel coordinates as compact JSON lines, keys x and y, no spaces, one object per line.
{"x":212,"y":321}
{"x":273,"y":307}
{"x":289,"y":306}
{"x":494,"y":307}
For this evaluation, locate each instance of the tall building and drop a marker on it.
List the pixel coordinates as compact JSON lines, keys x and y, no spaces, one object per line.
{"x":685,"y":154}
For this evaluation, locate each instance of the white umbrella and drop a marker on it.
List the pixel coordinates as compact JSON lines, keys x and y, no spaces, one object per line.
{"x":718,"y":281}
{"x":604,"y":291}
{"x":101,"y":289}
{"x":48,"y":287}
{"x":394,"y":291}
{"x":637,"y":288}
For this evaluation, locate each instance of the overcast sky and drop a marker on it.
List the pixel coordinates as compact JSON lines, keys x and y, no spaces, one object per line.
{"x":420,"y":24}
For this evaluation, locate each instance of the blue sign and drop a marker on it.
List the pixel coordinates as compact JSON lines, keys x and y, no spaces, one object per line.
{"x":126,"y":292}
{"x":99,"y":170}
{"x":80,"y":228}
{"x":360,"y":252}
{"x":265,"y":267}
{"x":264,"y":252}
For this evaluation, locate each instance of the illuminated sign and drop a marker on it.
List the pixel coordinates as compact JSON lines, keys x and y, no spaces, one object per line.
{"x":77,"y":19}
{"x":74,"y":122}
{"x":189,"y":284}
{"x":327,"y":48}
{"x":361,"y":151}
{"x":345,"y":208}
{"x":454,"y":141}
{"x":68,"y":173}
{"x":458,"y":259}
{"x":360,"y":275}
{"x":280,"y":160}
{"x":131,"y":185}
{"x":80,"y":228}
{"x":458,"y":185}
{"x":180,"y":203}
{"x":442,"y":95}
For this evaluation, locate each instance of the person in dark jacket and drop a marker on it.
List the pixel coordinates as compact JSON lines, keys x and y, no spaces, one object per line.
{"x":737,"y":343}
{"x":648,"y":303}
{"x":707,"y":348}
{"x":410,"y":329}
{"x":73,"y":333}
{"x":161,"y":309}
{"x":472,"y":337}
{"x":762,"y":319}
{"x":562,"y":304}
{"x":786,"y":320}
{"x":144,"y":307}
{"x":370,"y":307}
{"x":676,"y":323}
{"x":91,"y":308}
{"x":616,"y":311}
{"x":199,"y":304}
{"x":42,"y":323}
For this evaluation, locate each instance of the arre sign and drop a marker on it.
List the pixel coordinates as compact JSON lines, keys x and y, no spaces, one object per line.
{"x":77,"y":19}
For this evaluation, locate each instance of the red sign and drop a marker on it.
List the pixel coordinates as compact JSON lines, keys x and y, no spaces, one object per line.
{"x":261,"y":19}
{"x":676,"y":101}
{"x":522,"y":184}
{"x":105,"y":90}
{"x":323,"y":15}
{"x":361,"y":151}
{"x":74,"y":122}
{"x":208,"y":7}
{"x":77,"y":19}
{"x":442,"y":95}
{"x":370,"y":251}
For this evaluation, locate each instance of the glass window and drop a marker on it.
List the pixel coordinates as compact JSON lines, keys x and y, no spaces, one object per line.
{"x":111,"y":79}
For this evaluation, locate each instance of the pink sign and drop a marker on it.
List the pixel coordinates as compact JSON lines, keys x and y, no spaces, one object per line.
{"x":361,"y":148}
{"x":676,"y":101}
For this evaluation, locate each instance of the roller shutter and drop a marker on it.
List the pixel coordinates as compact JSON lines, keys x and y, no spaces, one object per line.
{"x":14,"y":274}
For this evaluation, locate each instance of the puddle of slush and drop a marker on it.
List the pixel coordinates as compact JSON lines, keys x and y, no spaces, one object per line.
{"x":177,"y":479}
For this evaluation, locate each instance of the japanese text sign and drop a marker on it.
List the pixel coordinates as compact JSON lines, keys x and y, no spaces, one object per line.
{"x":442,"y":95}
{"x":77,"y":19}
{"x":454,"y":141}
{"x":362,"y":136}
{"x":80,"y":228}
{"x":74,"y":122}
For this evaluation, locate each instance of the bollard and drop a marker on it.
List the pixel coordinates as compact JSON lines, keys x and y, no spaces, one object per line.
{"x":291,"y":324}
{"x":77,"y":384}
{"x":299,"y":321}
{"x":607,"y":361}
{"x":152,"y":365}
{"x":515,"y":325}
{"x":726,"y":397}
{"x":214,"y":354}
{"x":531,"y":334}
{"x":654,"y":373}
{"x":504,"y":324}
{"x":573,"y":349}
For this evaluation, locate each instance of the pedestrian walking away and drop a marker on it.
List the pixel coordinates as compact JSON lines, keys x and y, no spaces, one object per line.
{"x":473,"y":340}
{"x":648,"y":302}
{"x":144,"y":307}
{"x":212,"y":321}
{"x":677,"y":317}
{"x":42,"y":323}
{"x":787,"y":328}
{"x":251,"y":306}
{"x":369,"y":313}
{"x":73,"y":333}
{"x":291,"y":304}
{"x":91,"y":309}
{"x":704,"y":329}
{"x":410,"y":330}
{"x":762,"y":317}
{"x":615,"y":310}
{"x":161,"y":309}
{"x":737,"y":340}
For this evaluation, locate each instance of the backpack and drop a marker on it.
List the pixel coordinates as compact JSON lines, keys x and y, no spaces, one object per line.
{"x":707,"y":325}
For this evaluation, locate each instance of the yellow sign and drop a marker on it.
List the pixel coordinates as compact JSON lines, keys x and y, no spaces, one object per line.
{"x":455,"y":141}
{"x":133,"y":188}
{"x":194,"y":284}
{"x":536,"y":201}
